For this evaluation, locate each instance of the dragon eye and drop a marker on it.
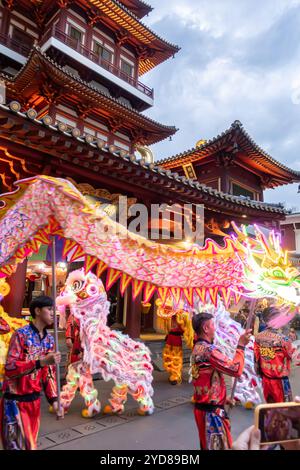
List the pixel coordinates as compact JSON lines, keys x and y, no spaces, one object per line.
{"x":77,"y":286}
{"x":278,"y":273}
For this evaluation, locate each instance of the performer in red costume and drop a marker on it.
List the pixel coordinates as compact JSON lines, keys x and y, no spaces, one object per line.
{"x":172,"y":353}
{"x":28,"y":369}
{"x":73,"y":339}
{"x":273,"y":354}
{"x":208,"y":366}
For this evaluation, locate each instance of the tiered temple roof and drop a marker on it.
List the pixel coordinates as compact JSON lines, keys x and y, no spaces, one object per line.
{"x":116,"y":15}
{"x":36,"y":146}
{"x":245,"y":152}
{"x":41,"y":78}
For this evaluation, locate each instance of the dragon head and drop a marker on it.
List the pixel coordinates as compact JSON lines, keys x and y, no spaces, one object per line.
{"x":268,"y":271}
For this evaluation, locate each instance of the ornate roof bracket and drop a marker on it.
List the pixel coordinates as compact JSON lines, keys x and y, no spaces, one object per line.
{"x":225,"y":159}
{"x":122,"y":36}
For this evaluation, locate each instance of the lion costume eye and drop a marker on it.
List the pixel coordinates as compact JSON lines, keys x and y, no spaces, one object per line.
{"x":92,"y":290}
{"x":77,"y":286}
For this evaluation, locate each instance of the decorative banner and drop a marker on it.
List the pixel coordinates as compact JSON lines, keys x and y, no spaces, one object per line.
{"x":226,"y":293}
{"x":201,"y":293}
{"x":89,"y":263}
{"x":78,"y":253}
{"x":213,"y":293}
{"x":136,"y":288}
{"x":176,"y":294}
{"x":237,"y":297}
{"x":42,"y":236}
{"x":100,"y":268}
{"x":189,"y":294}
{"x":34,"y":245}
{"x":148,"y":292}
{"x":125,"y":280}
{"x":69,"y":245}
{"x":111,"y":278}
{"x":163,"y":294}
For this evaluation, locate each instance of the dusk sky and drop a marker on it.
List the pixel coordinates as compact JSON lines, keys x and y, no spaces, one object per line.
{"x":239,"y":59}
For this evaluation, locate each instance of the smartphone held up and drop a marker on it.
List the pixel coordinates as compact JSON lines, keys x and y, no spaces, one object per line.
{"x":278,"y":422}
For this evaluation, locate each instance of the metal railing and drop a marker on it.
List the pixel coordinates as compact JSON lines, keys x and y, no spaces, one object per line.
{"x":15,"y":45}
{"x":76,"y":45}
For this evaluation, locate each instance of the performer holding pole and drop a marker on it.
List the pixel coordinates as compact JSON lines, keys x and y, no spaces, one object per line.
{"x":29,"y":368}
{"x":208,"y":366}
{"x":59,"y":412}
{"x":248,"y":327}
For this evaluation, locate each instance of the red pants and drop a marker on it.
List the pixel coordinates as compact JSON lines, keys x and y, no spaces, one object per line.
{"x":276,"y":390}
{"x":214,"y":430}
{"x":20,"y":423}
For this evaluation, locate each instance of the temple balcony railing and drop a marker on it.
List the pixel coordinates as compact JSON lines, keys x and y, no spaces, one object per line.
{"x":13,"y":48}
{"x":54,"y":33}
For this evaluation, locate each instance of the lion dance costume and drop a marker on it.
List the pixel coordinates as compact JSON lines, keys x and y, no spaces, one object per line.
{"x":115,"y":356}
{"x":178,"y":324}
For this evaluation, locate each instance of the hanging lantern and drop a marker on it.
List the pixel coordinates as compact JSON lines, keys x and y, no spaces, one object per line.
{"x":146,"y":307}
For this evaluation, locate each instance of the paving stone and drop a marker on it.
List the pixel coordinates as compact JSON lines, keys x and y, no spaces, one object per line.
{"x":44,"y":443}
{"x":110,"y":421}
{"x":131,"y":414}
{"x":63,"y":436}
{"x":180,"y":400}
{"x":164,"y":405}
{"x":89,"y":428}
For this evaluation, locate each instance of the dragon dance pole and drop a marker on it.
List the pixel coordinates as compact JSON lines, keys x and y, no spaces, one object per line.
{"x":248,"y":325}
{"x":55,"y":324}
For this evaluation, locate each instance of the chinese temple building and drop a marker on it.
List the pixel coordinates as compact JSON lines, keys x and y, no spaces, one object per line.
{"x":74,"y":108}
{"x":236,"y":167}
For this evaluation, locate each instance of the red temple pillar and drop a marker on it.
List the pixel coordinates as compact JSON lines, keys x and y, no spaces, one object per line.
{"x":13,"y":302}
{"x":133,"y":315}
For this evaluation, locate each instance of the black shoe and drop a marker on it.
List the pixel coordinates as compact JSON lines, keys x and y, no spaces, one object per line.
{"x":173,"y":382}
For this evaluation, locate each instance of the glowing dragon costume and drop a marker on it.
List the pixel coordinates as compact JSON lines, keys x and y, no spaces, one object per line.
{"x":45,"y":206}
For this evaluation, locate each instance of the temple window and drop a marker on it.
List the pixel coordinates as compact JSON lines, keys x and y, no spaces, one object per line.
{"x":103,"y":52}
{"x":238,"y":190}
{"x":121,"y":145}
{"x":22,"y":37}
{"x":127,"y":68}
{"x":95,"y":133}
{"x":75,"y":33}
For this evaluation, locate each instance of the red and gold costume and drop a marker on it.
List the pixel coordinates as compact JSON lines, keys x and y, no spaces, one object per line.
{"x":24,"y":380}
{"x":273,"y":354}
{"x":179,"y":327}
{"x":172,"y":354}
{"x":208,"y":366}
{"x":73,"y":333}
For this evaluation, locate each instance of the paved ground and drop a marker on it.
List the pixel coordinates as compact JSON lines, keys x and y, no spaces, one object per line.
{"x":170,"y":427}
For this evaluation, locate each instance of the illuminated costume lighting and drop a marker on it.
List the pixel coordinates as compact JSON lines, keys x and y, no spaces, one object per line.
{"x":115,"y":356}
